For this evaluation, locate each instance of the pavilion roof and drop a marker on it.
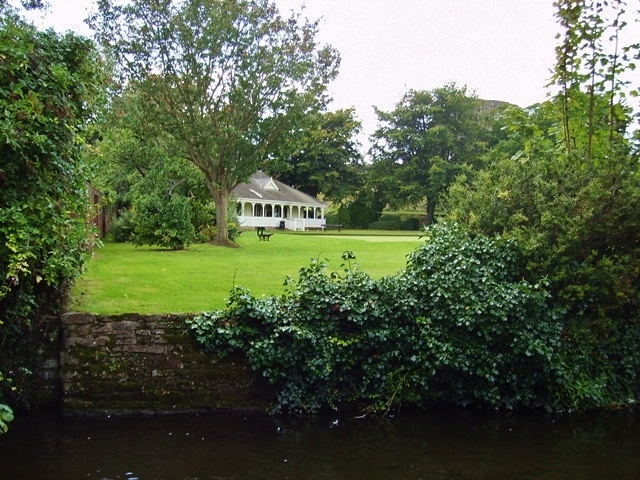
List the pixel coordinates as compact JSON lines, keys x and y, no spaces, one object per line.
{"x":263,"y":187}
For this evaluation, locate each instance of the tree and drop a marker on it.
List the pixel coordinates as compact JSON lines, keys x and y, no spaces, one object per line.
{"x":9,"y":5}
{"x":589,"y":73}
{"x":570,"y":197}
{"x":423,"y":144}
{"x":324,"y":159}
{"x":137,"y":175}
{"x":49,"y":88}
{"x":223,"y":81}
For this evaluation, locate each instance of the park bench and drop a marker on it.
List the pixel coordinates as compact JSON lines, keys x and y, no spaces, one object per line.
{"x":262,"y":235}
{"x":333,"y":226}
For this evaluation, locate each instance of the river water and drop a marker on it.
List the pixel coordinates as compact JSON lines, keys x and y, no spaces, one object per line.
{"x":442,"y":443}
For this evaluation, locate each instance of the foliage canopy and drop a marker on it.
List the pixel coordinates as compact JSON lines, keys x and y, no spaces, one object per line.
{"x":424,"y":143}
{"x":323,"y":157}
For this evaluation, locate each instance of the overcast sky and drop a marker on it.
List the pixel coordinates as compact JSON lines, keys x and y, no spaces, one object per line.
{"x":499,"y":49}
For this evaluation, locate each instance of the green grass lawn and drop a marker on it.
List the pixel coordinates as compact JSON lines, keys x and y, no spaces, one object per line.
{"x":121,"y":278}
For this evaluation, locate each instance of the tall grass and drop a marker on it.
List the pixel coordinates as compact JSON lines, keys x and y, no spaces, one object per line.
{"x":121,"y":278}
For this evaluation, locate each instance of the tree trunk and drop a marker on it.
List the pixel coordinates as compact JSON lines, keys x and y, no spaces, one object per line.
{"x":222,"y":229}
{"x":221,"y":201}
{"x":431,"y":212}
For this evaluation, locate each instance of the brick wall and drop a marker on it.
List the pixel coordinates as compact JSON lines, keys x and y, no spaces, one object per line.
{"x":130,"y":363}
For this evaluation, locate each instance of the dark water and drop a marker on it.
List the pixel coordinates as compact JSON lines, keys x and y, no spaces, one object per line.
{"x":439,"y":444}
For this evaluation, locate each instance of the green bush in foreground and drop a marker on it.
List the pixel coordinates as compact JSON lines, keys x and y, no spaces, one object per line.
{"x":6,"y":416}
{"x":51,"y":85}
{"x":458,"y":325}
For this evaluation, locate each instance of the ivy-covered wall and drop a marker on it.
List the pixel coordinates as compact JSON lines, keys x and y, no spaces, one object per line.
{"x":142,"y":364}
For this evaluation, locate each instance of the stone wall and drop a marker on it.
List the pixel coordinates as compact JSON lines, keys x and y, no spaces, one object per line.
{"x":142,"y":364}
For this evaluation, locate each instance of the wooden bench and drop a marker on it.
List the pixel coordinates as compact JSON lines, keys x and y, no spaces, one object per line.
{"x":262,"y":235}
{"x":333,"y":226}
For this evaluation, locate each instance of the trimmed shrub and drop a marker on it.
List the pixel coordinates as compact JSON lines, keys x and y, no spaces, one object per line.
{"x":122,"y":228}
{"x":164,"y":221}
{"x":395,"y":222}
{"x":411,"y":224}
{"x":386,"y":222}
{"x":360,"y":213}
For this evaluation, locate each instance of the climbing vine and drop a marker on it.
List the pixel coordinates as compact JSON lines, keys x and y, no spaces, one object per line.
{"x":458,"y":325}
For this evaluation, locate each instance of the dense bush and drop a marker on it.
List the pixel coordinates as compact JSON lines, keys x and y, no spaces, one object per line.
{"x":395,"y":222}
{"x":360,"y":213}
{"x":385,"y":225}
{"x":164,"y":221}
{"x":411,"y":224}
{"x":169,"y":222}
{"x":387,"y":222}
{"x":49,"y":88}
{"x":458,"y":325}
{"x":122,"y":227}
{"x":576,"y":219}
{"x":493,"y":337}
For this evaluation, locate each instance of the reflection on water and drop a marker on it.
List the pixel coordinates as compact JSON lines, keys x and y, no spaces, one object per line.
{"x":438,"y":444}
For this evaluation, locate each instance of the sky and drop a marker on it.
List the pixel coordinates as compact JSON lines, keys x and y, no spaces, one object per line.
{"x":498,"y":49}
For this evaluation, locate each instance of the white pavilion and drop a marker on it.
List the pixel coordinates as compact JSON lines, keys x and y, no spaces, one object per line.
{"x":266,"y":202}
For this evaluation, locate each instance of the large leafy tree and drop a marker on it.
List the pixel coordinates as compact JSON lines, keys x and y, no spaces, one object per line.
{"x":223,"y":81}
{"x":324,"y":157}
{"x":49,"y":87}
{"x":423,"y":144}
{"x":159,"y":199}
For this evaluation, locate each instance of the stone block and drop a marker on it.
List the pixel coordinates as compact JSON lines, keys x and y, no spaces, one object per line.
{"x":77,"y":318}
